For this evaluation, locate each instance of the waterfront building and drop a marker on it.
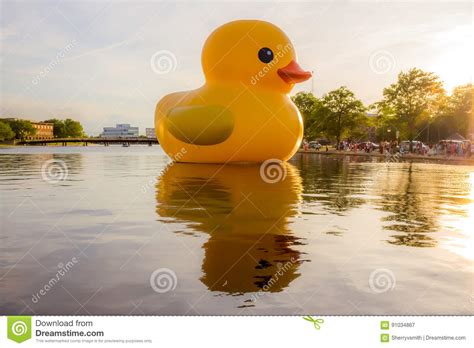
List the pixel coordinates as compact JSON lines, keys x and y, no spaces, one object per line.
{"x":150,"y":133}
{"x":44,"y":130}
{"x":120,"y":130}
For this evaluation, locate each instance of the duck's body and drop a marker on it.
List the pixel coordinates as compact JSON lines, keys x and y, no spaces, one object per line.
{"x":257,"y":133}
{"x":233,"y":118}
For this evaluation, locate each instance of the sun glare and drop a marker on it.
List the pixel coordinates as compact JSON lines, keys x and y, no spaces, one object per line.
{"x":463,"y":244}
{"x":454,"y":64}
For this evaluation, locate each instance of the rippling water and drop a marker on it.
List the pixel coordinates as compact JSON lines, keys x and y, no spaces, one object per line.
{"x":119,"y":231}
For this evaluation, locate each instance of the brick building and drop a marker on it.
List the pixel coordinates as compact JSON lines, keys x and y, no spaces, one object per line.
{"x":43,"y":130}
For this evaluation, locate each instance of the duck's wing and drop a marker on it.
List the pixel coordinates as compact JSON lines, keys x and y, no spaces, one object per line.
{"x":200,"y":124}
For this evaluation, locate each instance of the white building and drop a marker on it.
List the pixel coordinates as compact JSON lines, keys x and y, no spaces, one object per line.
{"x":150,"y":133}
{"x":121,"y":130}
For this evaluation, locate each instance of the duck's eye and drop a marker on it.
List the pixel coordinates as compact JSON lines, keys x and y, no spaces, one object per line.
{"x":265,"y":55}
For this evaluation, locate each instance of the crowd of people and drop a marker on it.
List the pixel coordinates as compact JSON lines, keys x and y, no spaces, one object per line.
{"x":453,"y":148}
{"x":449,"y":148}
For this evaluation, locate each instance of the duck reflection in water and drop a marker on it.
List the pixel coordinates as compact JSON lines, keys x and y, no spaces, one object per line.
{"x":250,"y":246}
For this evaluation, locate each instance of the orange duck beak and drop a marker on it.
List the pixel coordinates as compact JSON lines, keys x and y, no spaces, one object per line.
{"x":292,"y":73}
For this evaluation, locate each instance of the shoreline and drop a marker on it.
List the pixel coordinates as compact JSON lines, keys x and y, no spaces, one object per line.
{"x":379,"y":155}
{"x":332,"y":152}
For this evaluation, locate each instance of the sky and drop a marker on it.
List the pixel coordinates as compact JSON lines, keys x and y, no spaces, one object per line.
{"x":109,"y":62}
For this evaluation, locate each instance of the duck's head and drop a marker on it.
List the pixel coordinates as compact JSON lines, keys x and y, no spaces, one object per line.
{"x":254,"y":53}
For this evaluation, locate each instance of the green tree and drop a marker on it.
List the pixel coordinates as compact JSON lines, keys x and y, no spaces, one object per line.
{"x":459,"y":108}
{"x":455,"y":114}
{"x":386,"y":127}
{"x":67,"y":128}
{"x":73,"y":128}
{"x":6,"y":133}
{"x":342,"y":113}
{"x":360,"y":128}
{"x":59,"y":130}
{"x":309,"y":107}
{"x":412,"y":100}
{"x":22,"y":128}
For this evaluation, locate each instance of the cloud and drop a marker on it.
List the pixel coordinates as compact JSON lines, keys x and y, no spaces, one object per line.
{"x":106,"y":76}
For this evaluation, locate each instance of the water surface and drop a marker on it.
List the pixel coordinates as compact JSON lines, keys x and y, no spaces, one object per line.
{"x":326,"y":235}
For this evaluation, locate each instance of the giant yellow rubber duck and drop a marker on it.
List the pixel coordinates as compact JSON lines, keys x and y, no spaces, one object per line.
{"x":243,"y":112}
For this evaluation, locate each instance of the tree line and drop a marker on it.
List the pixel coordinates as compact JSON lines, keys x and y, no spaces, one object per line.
{"x":22,"y":129}
{"x":416,"y":106}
